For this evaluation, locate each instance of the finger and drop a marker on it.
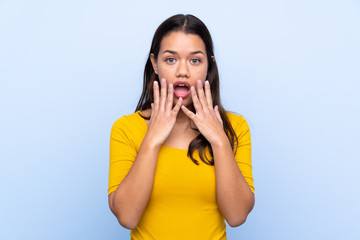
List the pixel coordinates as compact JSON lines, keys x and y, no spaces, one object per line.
{"x":202,"y":98}
{"x":195,"y":100}
{"x":170,"y":96}
{"x":217,"y":114}
{"x":152,"y":111}
{"x":188,"y":113}
{"x":163,"y":93}
{"x":156,"y":94}
{"x":208,"y":94}
{"x":177,"y":107}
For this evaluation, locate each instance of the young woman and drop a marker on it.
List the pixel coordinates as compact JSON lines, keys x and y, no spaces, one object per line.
{"x":180,"y":164}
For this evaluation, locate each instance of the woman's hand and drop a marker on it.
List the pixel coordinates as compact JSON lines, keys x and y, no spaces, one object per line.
{"x":207,"y":119}
{"x":163,"y":115}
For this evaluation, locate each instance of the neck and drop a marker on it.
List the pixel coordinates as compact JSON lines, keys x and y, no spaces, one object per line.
{"x":181,"y":118}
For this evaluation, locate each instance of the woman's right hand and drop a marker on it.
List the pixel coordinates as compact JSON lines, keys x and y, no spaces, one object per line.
{"x":163,"y":114}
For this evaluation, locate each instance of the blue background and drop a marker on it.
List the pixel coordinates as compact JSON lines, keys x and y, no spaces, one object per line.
{"x":69,"y":69}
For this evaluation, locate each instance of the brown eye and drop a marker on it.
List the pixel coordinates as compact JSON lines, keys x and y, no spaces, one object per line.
{"x":195,"y":61}
{"x":170,"y":60}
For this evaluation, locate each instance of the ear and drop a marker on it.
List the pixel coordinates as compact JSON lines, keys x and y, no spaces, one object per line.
{"x":153,"y":62}
{"x":213,"y":58}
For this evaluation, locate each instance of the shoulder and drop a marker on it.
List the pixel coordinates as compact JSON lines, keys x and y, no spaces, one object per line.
{"x":127,"y":119}
{"x":130,"y":129}
{"x":234,"y":116}
{"x":239,"y":124}
{"x":128,"y":122}
{"x":235,"y":119}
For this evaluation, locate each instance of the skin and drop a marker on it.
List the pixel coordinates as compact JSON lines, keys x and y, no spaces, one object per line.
{"x":182,"y":57}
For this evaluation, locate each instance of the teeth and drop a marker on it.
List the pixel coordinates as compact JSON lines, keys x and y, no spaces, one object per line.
{"x":181,"y":85}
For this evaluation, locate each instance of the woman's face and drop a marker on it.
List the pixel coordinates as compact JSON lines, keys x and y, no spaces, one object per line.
{"x":182,"y":60}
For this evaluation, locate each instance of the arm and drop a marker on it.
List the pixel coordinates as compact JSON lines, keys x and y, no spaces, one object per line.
{"x":234,"y":196}
{"x":131,"y":196}
{"x":130,"y":199}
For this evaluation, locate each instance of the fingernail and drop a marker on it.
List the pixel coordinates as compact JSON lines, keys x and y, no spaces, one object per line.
{"x":180,"y":99}
{"x":170,"y":86}
{"x":162,"y":80}
{"x":199,"y":82}
{"x":207,"y":82}
{"x":155,"y":83}
{"x":192,"y":88}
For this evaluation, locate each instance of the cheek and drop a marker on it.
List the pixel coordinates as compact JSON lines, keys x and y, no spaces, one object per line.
{"x":163,"y":71}
{"x":201,"y":73}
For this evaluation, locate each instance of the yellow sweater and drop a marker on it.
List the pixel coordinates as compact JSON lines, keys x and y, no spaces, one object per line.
{"x":182,"y":204}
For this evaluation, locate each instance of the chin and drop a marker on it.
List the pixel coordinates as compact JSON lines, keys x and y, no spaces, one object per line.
{"x":189,"y":105}
{"x":186,"y":101}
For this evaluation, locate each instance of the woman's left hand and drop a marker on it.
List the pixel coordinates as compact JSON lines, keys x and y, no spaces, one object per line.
{"x":207,"y":118}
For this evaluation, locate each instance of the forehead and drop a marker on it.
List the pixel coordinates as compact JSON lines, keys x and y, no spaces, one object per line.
{"x":182,"y":43}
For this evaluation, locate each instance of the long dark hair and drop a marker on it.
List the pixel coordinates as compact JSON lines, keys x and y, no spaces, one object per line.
{"x":188,"y":24}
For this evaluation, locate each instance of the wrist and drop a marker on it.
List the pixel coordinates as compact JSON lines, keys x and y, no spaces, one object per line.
{"x":220,"y":141}
{"x":150,"y":142}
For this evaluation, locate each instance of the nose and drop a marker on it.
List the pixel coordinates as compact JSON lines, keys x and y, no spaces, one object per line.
{"x":182,"y":69}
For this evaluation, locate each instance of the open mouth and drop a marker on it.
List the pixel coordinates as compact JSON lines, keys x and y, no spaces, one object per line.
{"x":181,"y":89}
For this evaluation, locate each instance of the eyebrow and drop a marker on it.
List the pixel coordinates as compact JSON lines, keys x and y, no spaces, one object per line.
{"x":173,"y":52}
